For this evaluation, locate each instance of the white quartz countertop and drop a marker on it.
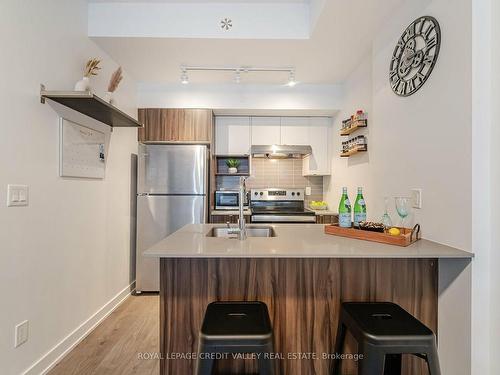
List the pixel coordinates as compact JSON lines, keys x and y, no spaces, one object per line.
{"x":291,"y":241}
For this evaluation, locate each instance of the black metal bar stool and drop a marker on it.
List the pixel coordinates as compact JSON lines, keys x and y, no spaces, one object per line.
{"x":384,"y":331}
{"x":235,"y":327}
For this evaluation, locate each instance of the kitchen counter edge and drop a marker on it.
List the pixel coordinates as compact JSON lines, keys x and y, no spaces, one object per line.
{"x":292,"y":241}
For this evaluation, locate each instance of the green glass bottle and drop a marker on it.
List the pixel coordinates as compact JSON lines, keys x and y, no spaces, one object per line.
{"x":359,"y":208}
{"x":345,"y":218}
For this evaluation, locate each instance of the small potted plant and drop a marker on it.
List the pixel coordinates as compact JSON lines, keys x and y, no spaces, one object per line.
{"x":232,"y":165}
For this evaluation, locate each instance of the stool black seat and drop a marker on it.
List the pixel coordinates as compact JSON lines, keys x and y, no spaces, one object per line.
{"x":384,"y":331}
{"x":235,"y":327}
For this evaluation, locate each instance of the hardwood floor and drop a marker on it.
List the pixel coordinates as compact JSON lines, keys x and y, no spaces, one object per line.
{"x":117,"y":345}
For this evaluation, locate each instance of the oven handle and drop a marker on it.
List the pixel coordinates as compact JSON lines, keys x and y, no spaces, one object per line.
{"x":279,"y":218}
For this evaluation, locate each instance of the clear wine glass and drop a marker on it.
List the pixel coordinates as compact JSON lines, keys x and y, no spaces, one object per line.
{"x":403,"y":208}
{"x":386,"y":219}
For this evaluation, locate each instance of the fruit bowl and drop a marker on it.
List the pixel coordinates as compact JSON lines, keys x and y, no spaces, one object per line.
{"x":318,"y":205}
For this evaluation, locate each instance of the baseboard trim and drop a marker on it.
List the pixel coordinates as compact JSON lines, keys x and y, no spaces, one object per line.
{"x":58,"y":352}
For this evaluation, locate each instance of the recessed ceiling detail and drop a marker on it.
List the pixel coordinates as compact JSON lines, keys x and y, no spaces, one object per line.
{"x":256,"y":20}
{"x":226,"y":24}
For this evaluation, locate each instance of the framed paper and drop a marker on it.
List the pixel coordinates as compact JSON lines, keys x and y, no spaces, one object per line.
{"x":82,"y":151}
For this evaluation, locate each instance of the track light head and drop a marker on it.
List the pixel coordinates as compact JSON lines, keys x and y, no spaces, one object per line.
{"x":184,"y":77}
{"x":291,"y":79}
{"x":237,"y":77}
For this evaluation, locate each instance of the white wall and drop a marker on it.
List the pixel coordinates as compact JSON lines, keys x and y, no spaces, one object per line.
{"x":422,"y":141}
{"x":233,"y":96}
{"x":495,"y":189}
{"x":68,"y":254}
{"x":486,"y":185}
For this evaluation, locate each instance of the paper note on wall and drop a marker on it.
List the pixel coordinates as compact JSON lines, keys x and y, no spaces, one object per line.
{"x":82,"y":151}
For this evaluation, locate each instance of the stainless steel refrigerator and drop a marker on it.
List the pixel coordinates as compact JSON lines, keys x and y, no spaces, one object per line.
{"x":172,"y":184}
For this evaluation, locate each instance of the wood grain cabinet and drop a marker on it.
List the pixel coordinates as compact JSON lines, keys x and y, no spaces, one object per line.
{"x":175,"y":125}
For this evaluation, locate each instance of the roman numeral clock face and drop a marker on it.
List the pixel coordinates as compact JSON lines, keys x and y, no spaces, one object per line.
{"x":415,"y":56}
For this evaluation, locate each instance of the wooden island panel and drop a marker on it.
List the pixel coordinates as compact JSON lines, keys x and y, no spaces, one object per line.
{"x":303,"y":296}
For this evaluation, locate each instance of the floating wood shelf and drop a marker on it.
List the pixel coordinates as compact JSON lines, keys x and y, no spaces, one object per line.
{"x":222,"y":170}
{"x":354,"y":151}
{"x":91,"y":105}
{"x":359,"y":124}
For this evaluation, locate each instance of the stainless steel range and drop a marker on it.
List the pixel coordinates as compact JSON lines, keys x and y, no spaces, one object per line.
{"x":279,"y":206}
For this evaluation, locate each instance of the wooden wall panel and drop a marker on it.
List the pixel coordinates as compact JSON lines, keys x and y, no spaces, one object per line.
{"x":303,"y":297}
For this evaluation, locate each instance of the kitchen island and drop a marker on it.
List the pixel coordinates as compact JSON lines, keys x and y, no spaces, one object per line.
{"x":303,"y":275}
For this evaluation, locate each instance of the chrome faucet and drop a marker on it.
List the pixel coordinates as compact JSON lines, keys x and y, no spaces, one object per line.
{"x":241,"y":231}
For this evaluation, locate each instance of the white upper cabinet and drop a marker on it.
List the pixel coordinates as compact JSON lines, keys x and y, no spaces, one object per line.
{"x":318,"y":163}
{"x":294,"y":131}
{"x":266,"y":130}
{"x":232,"y":135}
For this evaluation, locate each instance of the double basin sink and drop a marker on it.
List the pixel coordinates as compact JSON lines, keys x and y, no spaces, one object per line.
{"x":252,"y":231}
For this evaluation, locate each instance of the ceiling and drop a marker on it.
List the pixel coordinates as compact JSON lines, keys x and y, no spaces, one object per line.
{"x":339,"y":41}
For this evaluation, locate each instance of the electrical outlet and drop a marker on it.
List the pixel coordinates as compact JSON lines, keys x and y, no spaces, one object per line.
{"x":22,"y":332}
{"x":308,"y":190}
{"x":17,"y":195}
{"x":416,"y":198}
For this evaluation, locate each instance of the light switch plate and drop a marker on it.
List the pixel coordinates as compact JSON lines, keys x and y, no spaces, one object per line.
{"x":22,"y":333}
{"x":416,"y":198}
{"x":17,"y":195}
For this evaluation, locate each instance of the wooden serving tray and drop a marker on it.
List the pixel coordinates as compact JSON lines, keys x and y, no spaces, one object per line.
{"x":406,"y":238}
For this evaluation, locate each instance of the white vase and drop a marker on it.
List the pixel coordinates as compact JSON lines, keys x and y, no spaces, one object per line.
{"x":109,"y":96}
{"x":233,"y":170}
{"x":83,"y":84}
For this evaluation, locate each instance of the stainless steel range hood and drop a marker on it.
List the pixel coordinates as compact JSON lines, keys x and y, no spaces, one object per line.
{"x":281,"y":151}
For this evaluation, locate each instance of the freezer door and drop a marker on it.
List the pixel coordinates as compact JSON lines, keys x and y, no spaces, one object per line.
{"x":158,"y":217}
{"x":172,"y":169}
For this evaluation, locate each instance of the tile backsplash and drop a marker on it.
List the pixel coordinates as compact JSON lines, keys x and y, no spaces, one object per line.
{"x":276,"y":173}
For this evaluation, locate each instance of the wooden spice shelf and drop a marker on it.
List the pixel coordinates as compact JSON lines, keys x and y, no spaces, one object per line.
{"x":352,"y":152}
{"x":359,"y":124}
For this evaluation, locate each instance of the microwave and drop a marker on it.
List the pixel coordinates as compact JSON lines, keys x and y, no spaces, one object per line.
{"x":229,"y":200}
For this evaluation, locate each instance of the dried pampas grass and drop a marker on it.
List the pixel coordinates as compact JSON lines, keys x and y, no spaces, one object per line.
{"x":115,"y":80}
{"x":92,"y":68}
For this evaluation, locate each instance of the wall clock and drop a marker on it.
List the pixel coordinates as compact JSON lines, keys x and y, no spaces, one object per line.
{"x":415,"y":56}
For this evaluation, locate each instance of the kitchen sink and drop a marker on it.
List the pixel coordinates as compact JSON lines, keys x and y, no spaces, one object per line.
{"x":252,"y":231}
